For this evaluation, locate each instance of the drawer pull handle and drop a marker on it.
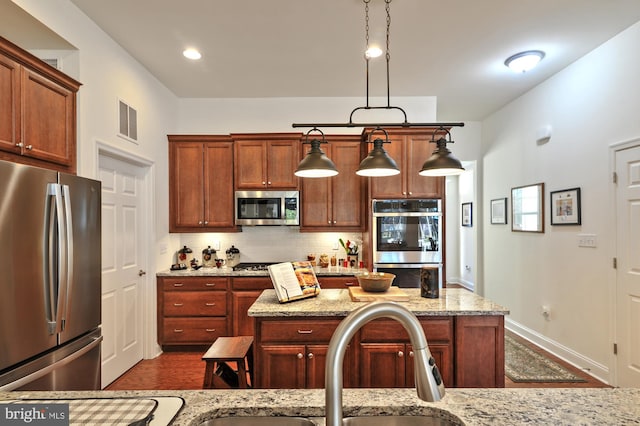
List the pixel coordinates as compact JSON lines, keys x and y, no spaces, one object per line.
{"x":210,"y":304}
{"x":178,"y":304}
{"x":210,"y":284}
{"x":178,"y":330}
{"x":210,"y":330}
{"x":305,"y":331}
{"x":178,"y":284}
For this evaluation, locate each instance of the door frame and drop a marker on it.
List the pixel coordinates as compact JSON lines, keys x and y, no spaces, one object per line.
{"x":150,"y":348}
{"x":613,"y":150}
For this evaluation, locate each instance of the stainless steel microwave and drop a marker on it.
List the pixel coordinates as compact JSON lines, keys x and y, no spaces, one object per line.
{"x":267,"y":208}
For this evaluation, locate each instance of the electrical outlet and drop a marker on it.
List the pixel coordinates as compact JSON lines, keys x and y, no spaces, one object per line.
{"x":216,"y":245}
{"x":587,"y":240}
{"x":335,"y":246}
{"x":163,"y":248}
{"x":545,"y":311}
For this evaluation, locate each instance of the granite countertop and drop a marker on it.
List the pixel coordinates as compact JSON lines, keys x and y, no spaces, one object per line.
{"x":473,"y":407}
{"x":229,"y":272}
{"x":334,"y":302}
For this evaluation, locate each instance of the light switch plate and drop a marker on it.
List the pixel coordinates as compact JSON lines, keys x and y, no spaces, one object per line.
{"x":587,"y":240}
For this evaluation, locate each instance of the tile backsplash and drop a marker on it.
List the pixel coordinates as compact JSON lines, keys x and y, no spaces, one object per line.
{"x":270,"y":243}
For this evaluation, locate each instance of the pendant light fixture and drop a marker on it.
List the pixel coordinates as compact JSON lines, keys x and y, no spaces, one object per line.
{"x":378,"y":163}
{"x":442,"y":162}
{"x":316,"y":164}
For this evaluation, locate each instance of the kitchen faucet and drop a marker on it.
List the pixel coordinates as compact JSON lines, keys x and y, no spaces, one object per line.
{"x":428,"y":380}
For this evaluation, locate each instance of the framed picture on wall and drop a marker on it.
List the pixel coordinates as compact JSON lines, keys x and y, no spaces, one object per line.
{"x":467,"y":214}
{"x":565,"y":207}
{"x":527,"y":208}
{"x":499,"y":211}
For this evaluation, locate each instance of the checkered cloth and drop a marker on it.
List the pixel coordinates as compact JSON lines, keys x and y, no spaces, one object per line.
{"x":105,"y":411}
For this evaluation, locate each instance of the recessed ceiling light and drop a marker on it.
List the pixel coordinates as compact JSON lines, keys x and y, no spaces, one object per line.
{"x":373,"y":52}
{"x":524,"y":61}
{"x":192,"y":54}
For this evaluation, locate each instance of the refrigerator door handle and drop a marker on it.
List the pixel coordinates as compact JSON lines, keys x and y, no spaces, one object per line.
{"x":58,"y":294}
{"x":51,"y":367}
{"x":66,"y":285}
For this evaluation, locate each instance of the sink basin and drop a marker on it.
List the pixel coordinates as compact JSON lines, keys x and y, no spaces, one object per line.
{"x":398,"y":421}
{"x":258,"y":421}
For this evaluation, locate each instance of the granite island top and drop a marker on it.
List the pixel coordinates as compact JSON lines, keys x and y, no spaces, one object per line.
{"x":473,"y":407}
{"x":336,"y":302}
{"x":329,"y":271}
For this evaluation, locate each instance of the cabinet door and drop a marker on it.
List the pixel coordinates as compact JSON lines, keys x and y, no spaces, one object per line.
{"x":186,"y":201}
{"x":282,"y":160}
{"x":48,"y":120}
{"x":250,"y":161}
{"x":316,"y":202}
{"x":382,"y":365}
{"x":316,"y":367}
{"x":282,"y":367}
{"x":389,"y":187}
{"x":218,"y":185}
{"x":9,"y":105}
{"x":479,"y":354}
{"x":443,"y":356}
{"x":418,"y":149}
{"x":347,"y":187}
{"x":243,"y":325}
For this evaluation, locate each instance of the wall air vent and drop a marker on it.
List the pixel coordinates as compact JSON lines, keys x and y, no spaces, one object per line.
{"x":54,"y":62}
{"x":127,"y":121}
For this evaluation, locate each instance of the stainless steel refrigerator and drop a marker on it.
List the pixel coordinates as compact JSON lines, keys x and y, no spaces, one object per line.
{"x":50,"y":272}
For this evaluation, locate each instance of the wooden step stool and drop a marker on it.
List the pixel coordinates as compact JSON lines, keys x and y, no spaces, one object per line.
{"x":237,"y":349}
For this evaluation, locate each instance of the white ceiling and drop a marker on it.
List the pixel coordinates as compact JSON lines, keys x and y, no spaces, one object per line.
{"x":452,"y":49}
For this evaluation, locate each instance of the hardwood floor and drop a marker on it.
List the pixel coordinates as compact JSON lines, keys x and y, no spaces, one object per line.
{"x":185,"y":371}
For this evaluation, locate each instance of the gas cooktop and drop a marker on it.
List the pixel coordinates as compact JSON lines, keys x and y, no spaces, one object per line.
{"x":252,"y":266}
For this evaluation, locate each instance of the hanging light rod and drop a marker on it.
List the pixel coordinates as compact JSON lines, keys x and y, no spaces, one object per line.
{"x":405,"y":123}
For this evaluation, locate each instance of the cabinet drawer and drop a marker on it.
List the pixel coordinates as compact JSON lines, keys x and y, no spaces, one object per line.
{"x":195,"y":303}
{"x":195,"y":283}
{"x":252,"y":283}
{"x":311,"y":331}
{"x":337,"y":282}
{"x":193,"y":330}
{"x":381,"y":330}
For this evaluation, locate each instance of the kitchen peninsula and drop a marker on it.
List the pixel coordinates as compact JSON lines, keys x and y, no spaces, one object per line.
{"x":465,"y":333}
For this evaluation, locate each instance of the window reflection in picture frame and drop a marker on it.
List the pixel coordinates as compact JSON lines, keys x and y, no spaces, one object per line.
{"x":527,"y":208}
{"x":499,"y":211}
{"x":565,"y":207}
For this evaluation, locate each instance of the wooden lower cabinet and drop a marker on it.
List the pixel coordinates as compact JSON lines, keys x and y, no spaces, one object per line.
{"x":245,"y":291}
{"x":480,"y":350}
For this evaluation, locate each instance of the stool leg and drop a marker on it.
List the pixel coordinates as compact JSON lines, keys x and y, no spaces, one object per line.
{"x":242,"y":375}
{"x":249,"y":360}
{"x":208,"y":375}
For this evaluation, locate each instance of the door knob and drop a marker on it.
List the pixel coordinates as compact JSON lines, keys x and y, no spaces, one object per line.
{"x":141,"y":273}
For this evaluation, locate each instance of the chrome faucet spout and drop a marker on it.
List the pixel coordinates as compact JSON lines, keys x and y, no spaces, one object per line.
{"x":428,"y":380}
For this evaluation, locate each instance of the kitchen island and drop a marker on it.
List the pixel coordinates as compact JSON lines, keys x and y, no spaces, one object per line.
{"x":472,"y":407}
{"x":465,"y":333}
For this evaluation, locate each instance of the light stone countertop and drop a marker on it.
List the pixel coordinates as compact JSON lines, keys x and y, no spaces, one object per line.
{"x":473,"y":407}
{"x":334,"y":302}
{"x":229,"y":272}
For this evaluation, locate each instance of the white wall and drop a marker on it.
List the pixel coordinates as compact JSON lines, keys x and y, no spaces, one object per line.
{"x":590,"y":105}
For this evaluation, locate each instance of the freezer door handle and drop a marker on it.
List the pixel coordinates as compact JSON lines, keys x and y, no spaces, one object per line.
{"x":48,"y":369}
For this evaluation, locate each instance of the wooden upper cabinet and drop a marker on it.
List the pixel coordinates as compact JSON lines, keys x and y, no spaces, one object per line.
{"x":337,"y":201}
{"x":37,"y":111}
{"x":410,"y":148}
{"x":200,"y":183}
{"x":266,"y":160}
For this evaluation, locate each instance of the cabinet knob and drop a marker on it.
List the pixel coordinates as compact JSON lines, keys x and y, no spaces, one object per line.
{"x":199,"y":222}
{"x":264,"y":183}
{"x":411,"y":354}
{"x":404,"y":192}
{"x":269,"y":183}
{"x":29,"y":147}
{"x":410,"y":193}
{"x":206,"y":222}
{"x":400,"y":354}
{"x":19,"y":144}
{"x":310,"y":355}
{"x":299,"y":356}
{"x":334,"y":222}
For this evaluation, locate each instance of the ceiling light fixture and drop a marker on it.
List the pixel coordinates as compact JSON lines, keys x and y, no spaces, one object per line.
{"x":442,"y":162}
{"x":192,"y":54}
{"x":316,"y":164}
{"x":524,"y":61}
{"x":378,"y":152}
{"x":378,"y":163}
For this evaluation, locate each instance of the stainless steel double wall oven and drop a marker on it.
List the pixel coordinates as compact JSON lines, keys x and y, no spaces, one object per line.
{"x":407,"y":235}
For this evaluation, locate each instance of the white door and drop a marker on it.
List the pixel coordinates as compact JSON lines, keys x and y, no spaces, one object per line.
{"x":628,"y":268}
{"x":123,"y":266}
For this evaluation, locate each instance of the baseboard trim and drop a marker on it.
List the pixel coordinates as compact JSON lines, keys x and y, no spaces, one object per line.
{"x":589,"y":366}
